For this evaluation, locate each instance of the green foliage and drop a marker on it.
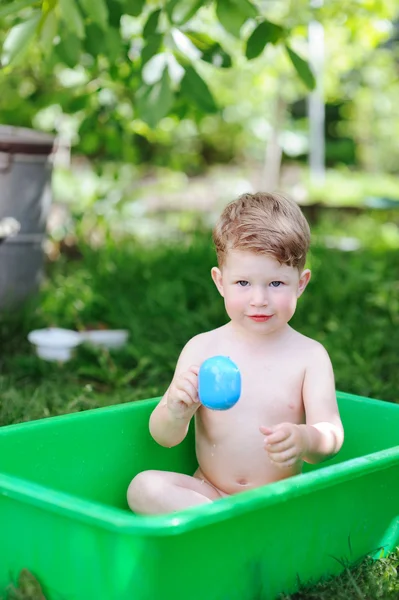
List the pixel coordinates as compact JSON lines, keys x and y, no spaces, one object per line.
{"x":28,"y":588}
{"x":196,"y":89}
{"x":113,"y":42}
{"x":369,"y":580}
{"x":154,"y":102}
{"x":72,"y":17}
{"x":232,"y":14}
{"x":265,"y":33}
{"x":19,"y":38}
{"x":302,"y":68}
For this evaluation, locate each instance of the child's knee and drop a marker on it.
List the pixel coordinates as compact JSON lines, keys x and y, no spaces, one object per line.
{"x":145,"y":486}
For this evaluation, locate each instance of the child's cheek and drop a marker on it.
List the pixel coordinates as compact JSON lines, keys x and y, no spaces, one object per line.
{"x":287,"y":303}
{"x":234,"y":303}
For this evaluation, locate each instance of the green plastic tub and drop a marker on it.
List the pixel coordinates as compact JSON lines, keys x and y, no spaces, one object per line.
{"x":64,"y":516}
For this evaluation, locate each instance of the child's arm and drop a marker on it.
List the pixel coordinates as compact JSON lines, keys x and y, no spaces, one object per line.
{"x":323,"y":434}
{"x":324,"y":431}
{"x":170,"y":419}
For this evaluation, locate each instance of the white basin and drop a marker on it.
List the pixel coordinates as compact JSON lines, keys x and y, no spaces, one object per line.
{"x":54,"y":343}
{"x":107,"y":338}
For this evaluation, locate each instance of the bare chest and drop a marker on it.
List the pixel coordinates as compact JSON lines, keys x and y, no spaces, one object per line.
{"x":271,"y":392}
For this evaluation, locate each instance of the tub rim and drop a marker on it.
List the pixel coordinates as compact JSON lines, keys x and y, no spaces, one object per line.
{"x":122,"y":521}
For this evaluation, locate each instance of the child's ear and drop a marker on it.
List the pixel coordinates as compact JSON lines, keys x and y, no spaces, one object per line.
{"x":303,"y":281}
{"x":217,"y":279}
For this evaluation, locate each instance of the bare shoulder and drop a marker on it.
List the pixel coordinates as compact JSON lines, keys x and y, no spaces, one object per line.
{"x":310,"y":349}
{"x":199,"y":347}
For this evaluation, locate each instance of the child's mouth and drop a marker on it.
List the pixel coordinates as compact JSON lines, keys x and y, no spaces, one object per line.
{"x":260,"y":318}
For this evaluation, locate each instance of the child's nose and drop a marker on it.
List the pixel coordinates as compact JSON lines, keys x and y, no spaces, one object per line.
{"x":259,"y":297}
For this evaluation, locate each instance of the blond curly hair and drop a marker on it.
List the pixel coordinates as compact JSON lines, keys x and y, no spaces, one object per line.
{"x":265,"y":224}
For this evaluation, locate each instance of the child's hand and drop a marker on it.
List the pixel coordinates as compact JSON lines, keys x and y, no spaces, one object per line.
{"x":285,"y":443}
{"x":182,"y":400}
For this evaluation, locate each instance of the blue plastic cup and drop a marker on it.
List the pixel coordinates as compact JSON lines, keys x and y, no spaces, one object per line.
{"x":219,"y":383}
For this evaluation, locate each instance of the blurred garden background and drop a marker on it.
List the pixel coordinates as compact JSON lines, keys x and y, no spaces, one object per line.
{"x":163,"y":112}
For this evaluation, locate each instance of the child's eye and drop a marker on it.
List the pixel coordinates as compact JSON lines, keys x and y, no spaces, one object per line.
{"x":276,"y":283}
{"x":242,"y":283}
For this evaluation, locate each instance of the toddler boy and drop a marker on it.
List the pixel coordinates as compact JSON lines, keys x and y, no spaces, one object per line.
{"x":287,"y":412}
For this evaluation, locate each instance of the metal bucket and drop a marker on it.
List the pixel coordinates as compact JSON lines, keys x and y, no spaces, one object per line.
{"x":25,"y":195}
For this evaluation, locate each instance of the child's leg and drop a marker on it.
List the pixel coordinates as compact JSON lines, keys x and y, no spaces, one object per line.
{"x":160,"y":492}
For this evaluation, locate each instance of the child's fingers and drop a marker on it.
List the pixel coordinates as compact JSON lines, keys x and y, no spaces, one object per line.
{"x":278,"y":446}
{"x":277,"y":436}
{"x":186,"y":388}
{"x":194,"y":369}
{"x":284,"y":459}
{"x":266,"y":430}
{"x":192,"y":378}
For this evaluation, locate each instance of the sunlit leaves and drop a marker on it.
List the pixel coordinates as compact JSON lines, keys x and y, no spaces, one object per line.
{"x":232,"y":14}
{"x":196,"y":90}
{"x":154,"y":68}
{"x":19,"y":39}
{"x":184,"y":45}
{"x":151,"y":25}
{"x":181,"y":11}
{"x":212,"y":52}
{"x":154,"y":102}
{"x":15,"y":7}
{"x":265,"y":33}
{"x":72,"y":17}
{"x":302,"y":68}
{"x":151,"y":47}
{"x":48,"y":31}
{"x":69,"y":49}
{"x":133,"y":7}
{"x":97,"y":10}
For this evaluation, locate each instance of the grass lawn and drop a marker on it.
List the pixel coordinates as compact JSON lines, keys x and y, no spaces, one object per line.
{"x":164,"y":295}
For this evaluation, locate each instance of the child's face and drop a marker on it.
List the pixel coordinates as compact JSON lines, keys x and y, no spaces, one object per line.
{"x":260,"y":294}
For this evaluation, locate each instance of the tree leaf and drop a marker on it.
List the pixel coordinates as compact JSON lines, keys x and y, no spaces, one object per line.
{"x":14,"y":7}
{"x":115,"y":12}
{"x":170,"y":7}
{"x":184,"y":45}
{"x":72,"y":16}
{"x":113,"y":43}
{"x":176,"y":71}
{"x":48,"y":31}
{"x":231,"y":19}
{"x":18,"y":39}
{"x":232,"y":14}
{"x":154,"y":102}
{"x":153,"y":70}
{"x":97,"y":10}
{"x":152,"y":23}
{"x":246,"y":8}
{"x":133,"y":7}
{"x":217,"y":57}
{"x":265,"y":33}
{"x":94,"y":42}
{"x":153,"y":44}
{"x":181,"y":11}
{"x":196,"y":90}
{"x":201,"y":40}
{"x":69,"y":50}
{"x":302,"y":68}
{"x":212,"y":51}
